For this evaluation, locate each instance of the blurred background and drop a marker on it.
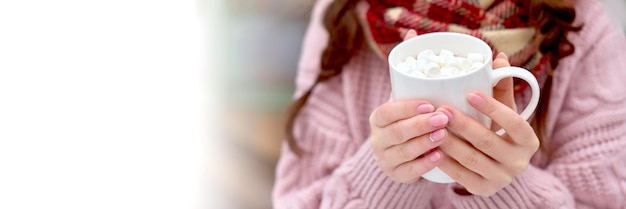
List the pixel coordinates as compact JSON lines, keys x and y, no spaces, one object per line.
{"x":261,"y":41}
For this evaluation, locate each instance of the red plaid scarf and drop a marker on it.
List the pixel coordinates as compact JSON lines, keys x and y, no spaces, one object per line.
{"x":497,"y":22}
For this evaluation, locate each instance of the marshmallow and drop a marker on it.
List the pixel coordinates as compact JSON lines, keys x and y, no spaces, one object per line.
{"x":435,"y":59}
{"x":444,"y":64}
{"x":475,"y":57}
{"x":410,"y":61}
{"x":464,"y":63}
{"x":432,"y":70}
{"x":452,"y":61}
{"x":424,"y":54}
{"x":421,"y":65}
{"x":446,"y":53}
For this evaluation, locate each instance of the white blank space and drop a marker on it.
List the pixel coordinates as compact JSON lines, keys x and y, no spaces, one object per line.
{"x":103,"y":104}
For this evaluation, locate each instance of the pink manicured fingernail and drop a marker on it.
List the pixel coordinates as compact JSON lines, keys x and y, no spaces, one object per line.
{"x":447,"y":112}
{"x":502,"y":55}
{"x":411,"y":32}
{"x":425,"y":108}
{"x":438,"y":120}
{"x":437,"y":135}
{"x":475,"y":99}
{"x":435,"y":156}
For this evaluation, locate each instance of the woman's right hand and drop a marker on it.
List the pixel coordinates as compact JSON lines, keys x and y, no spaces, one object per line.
{"x":404,"y":136}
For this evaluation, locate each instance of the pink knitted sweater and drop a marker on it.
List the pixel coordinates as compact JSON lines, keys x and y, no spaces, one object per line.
{"x":585,"y":168}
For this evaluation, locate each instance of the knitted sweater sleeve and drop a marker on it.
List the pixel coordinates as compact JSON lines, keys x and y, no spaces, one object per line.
{"x":589,"y":140}
{"x":587,"y":146}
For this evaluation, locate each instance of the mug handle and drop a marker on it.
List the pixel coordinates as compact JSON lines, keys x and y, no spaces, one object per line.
{"x":523,"y":74}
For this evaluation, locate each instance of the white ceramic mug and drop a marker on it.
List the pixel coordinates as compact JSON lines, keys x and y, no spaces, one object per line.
{"x":453,"y":90}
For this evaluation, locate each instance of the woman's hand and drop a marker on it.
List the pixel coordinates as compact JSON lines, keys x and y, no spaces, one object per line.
{"x":403,"y":133}
{"x":476,"y":157}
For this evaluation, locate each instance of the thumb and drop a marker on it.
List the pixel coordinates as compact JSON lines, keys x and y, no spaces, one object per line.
{"x":410,"y":34}
{"x":501,"y":61}
{"x":503,"y":91}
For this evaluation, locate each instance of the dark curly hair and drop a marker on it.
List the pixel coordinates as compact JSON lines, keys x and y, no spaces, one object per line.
{"x":554,"y":19}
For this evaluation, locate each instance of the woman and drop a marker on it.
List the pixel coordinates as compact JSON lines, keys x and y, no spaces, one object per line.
{"x":349,"y":146}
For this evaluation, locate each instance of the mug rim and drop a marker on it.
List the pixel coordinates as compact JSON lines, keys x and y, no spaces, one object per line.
{"x":483,"y":44}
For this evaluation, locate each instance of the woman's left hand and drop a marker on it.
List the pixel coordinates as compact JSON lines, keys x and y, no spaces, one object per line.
{"x":479,"y":159}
